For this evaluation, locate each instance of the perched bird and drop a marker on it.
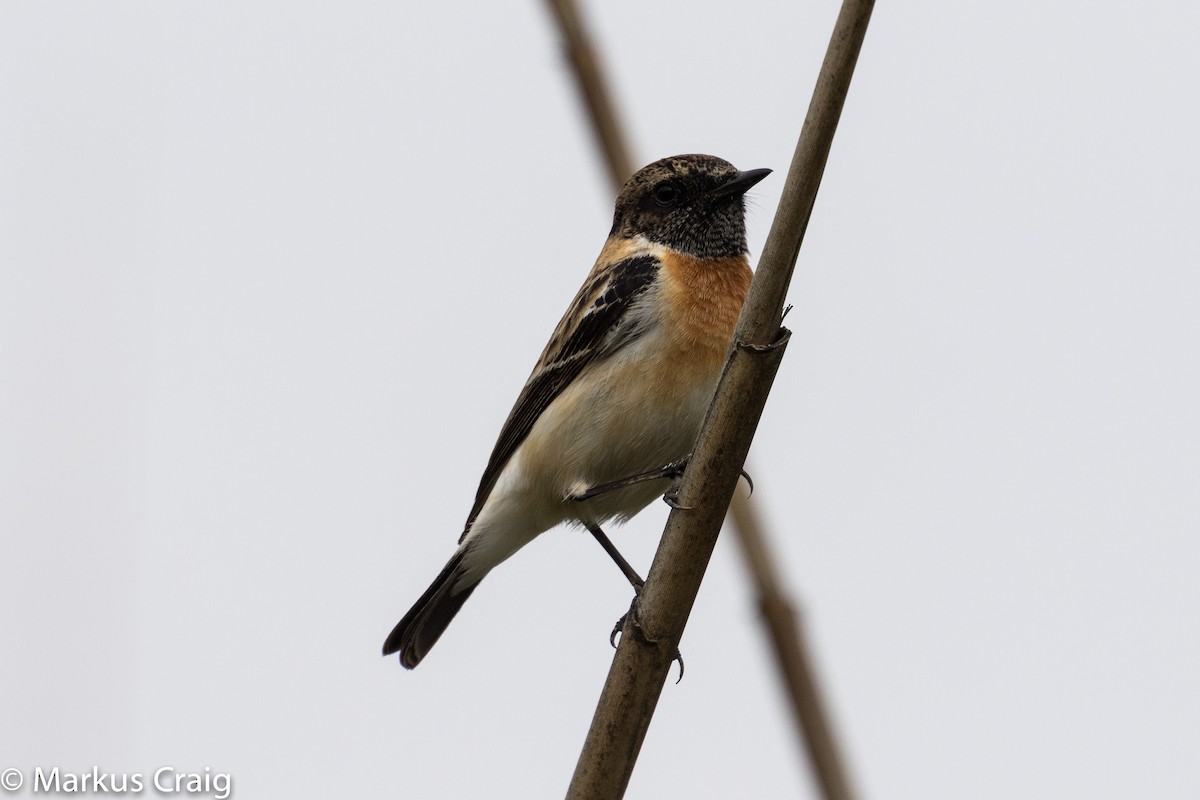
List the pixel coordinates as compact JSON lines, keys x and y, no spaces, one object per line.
{"x":622,"y":386}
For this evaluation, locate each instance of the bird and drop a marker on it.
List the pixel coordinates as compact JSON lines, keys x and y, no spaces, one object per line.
{"x":614,"y":404}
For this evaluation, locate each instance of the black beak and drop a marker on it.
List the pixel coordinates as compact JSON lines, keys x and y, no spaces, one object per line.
{"x":740,"y":183}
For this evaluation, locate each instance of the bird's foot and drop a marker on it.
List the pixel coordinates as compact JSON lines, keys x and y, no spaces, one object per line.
{"x":639,"y":633}
{"x":671,"y":496}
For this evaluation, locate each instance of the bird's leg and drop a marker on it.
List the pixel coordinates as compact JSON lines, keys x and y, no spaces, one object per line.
{"x":627,"y":570}
{"x":672,"y":471}
{"x":637,"y":583}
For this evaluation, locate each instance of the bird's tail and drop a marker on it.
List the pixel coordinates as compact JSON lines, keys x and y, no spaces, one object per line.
{"x":427,"y":619}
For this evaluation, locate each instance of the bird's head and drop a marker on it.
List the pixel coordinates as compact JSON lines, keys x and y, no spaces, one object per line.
{"x":691,"y":203}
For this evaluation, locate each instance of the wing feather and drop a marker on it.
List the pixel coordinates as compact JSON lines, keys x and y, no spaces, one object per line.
{"x":596,"y":325}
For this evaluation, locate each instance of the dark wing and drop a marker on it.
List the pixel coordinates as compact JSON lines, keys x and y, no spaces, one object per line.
{"x":596,"y":325}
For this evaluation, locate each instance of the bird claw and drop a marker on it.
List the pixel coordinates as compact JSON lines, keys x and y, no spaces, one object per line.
{"x":749,"y":481}
{"x":616,"y":631}
{"x":678,"y":656}
{"x":671,"y":498}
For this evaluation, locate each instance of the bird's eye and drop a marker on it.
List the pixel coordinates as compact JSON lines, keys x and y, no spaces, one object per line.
{"x":666,"y":194}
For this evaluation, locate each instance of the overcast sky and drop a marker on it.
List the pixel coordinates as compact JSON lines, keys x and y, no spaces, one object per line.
{"x":271,"y":277}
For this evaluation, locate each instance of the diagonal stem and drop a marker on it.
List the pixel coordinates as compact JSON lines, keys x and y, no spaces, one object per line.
{"x":640,"y":666}
{"x":589,"y":77}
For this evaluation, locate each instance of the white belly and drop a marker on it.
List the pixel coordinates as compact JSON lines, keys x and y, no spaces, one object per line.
{"x":630,"y":415}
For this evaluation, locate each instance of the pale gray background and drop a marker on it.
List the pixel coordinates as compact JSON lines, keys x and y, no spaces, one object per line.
{"x":272,"y":275}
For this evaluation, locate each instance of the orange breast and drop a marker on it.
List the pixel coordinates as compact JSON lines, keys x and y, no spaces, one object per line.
{"x":703,"y":299}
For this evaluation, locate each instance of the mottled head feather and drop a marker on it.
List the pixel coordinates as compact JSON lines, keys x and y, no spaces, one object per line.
{"x":680,"y":202}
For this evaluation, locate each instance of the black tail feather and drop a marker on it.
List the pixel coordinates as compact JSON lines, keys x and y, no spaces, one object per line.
{"x":427,"y":619}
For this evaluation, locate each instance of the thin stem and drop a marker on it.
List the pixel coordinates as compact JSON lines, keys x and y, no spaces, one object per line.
{"x":589,"y":77}
{"x":796,"y":670}
{"x":640,"y":666}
